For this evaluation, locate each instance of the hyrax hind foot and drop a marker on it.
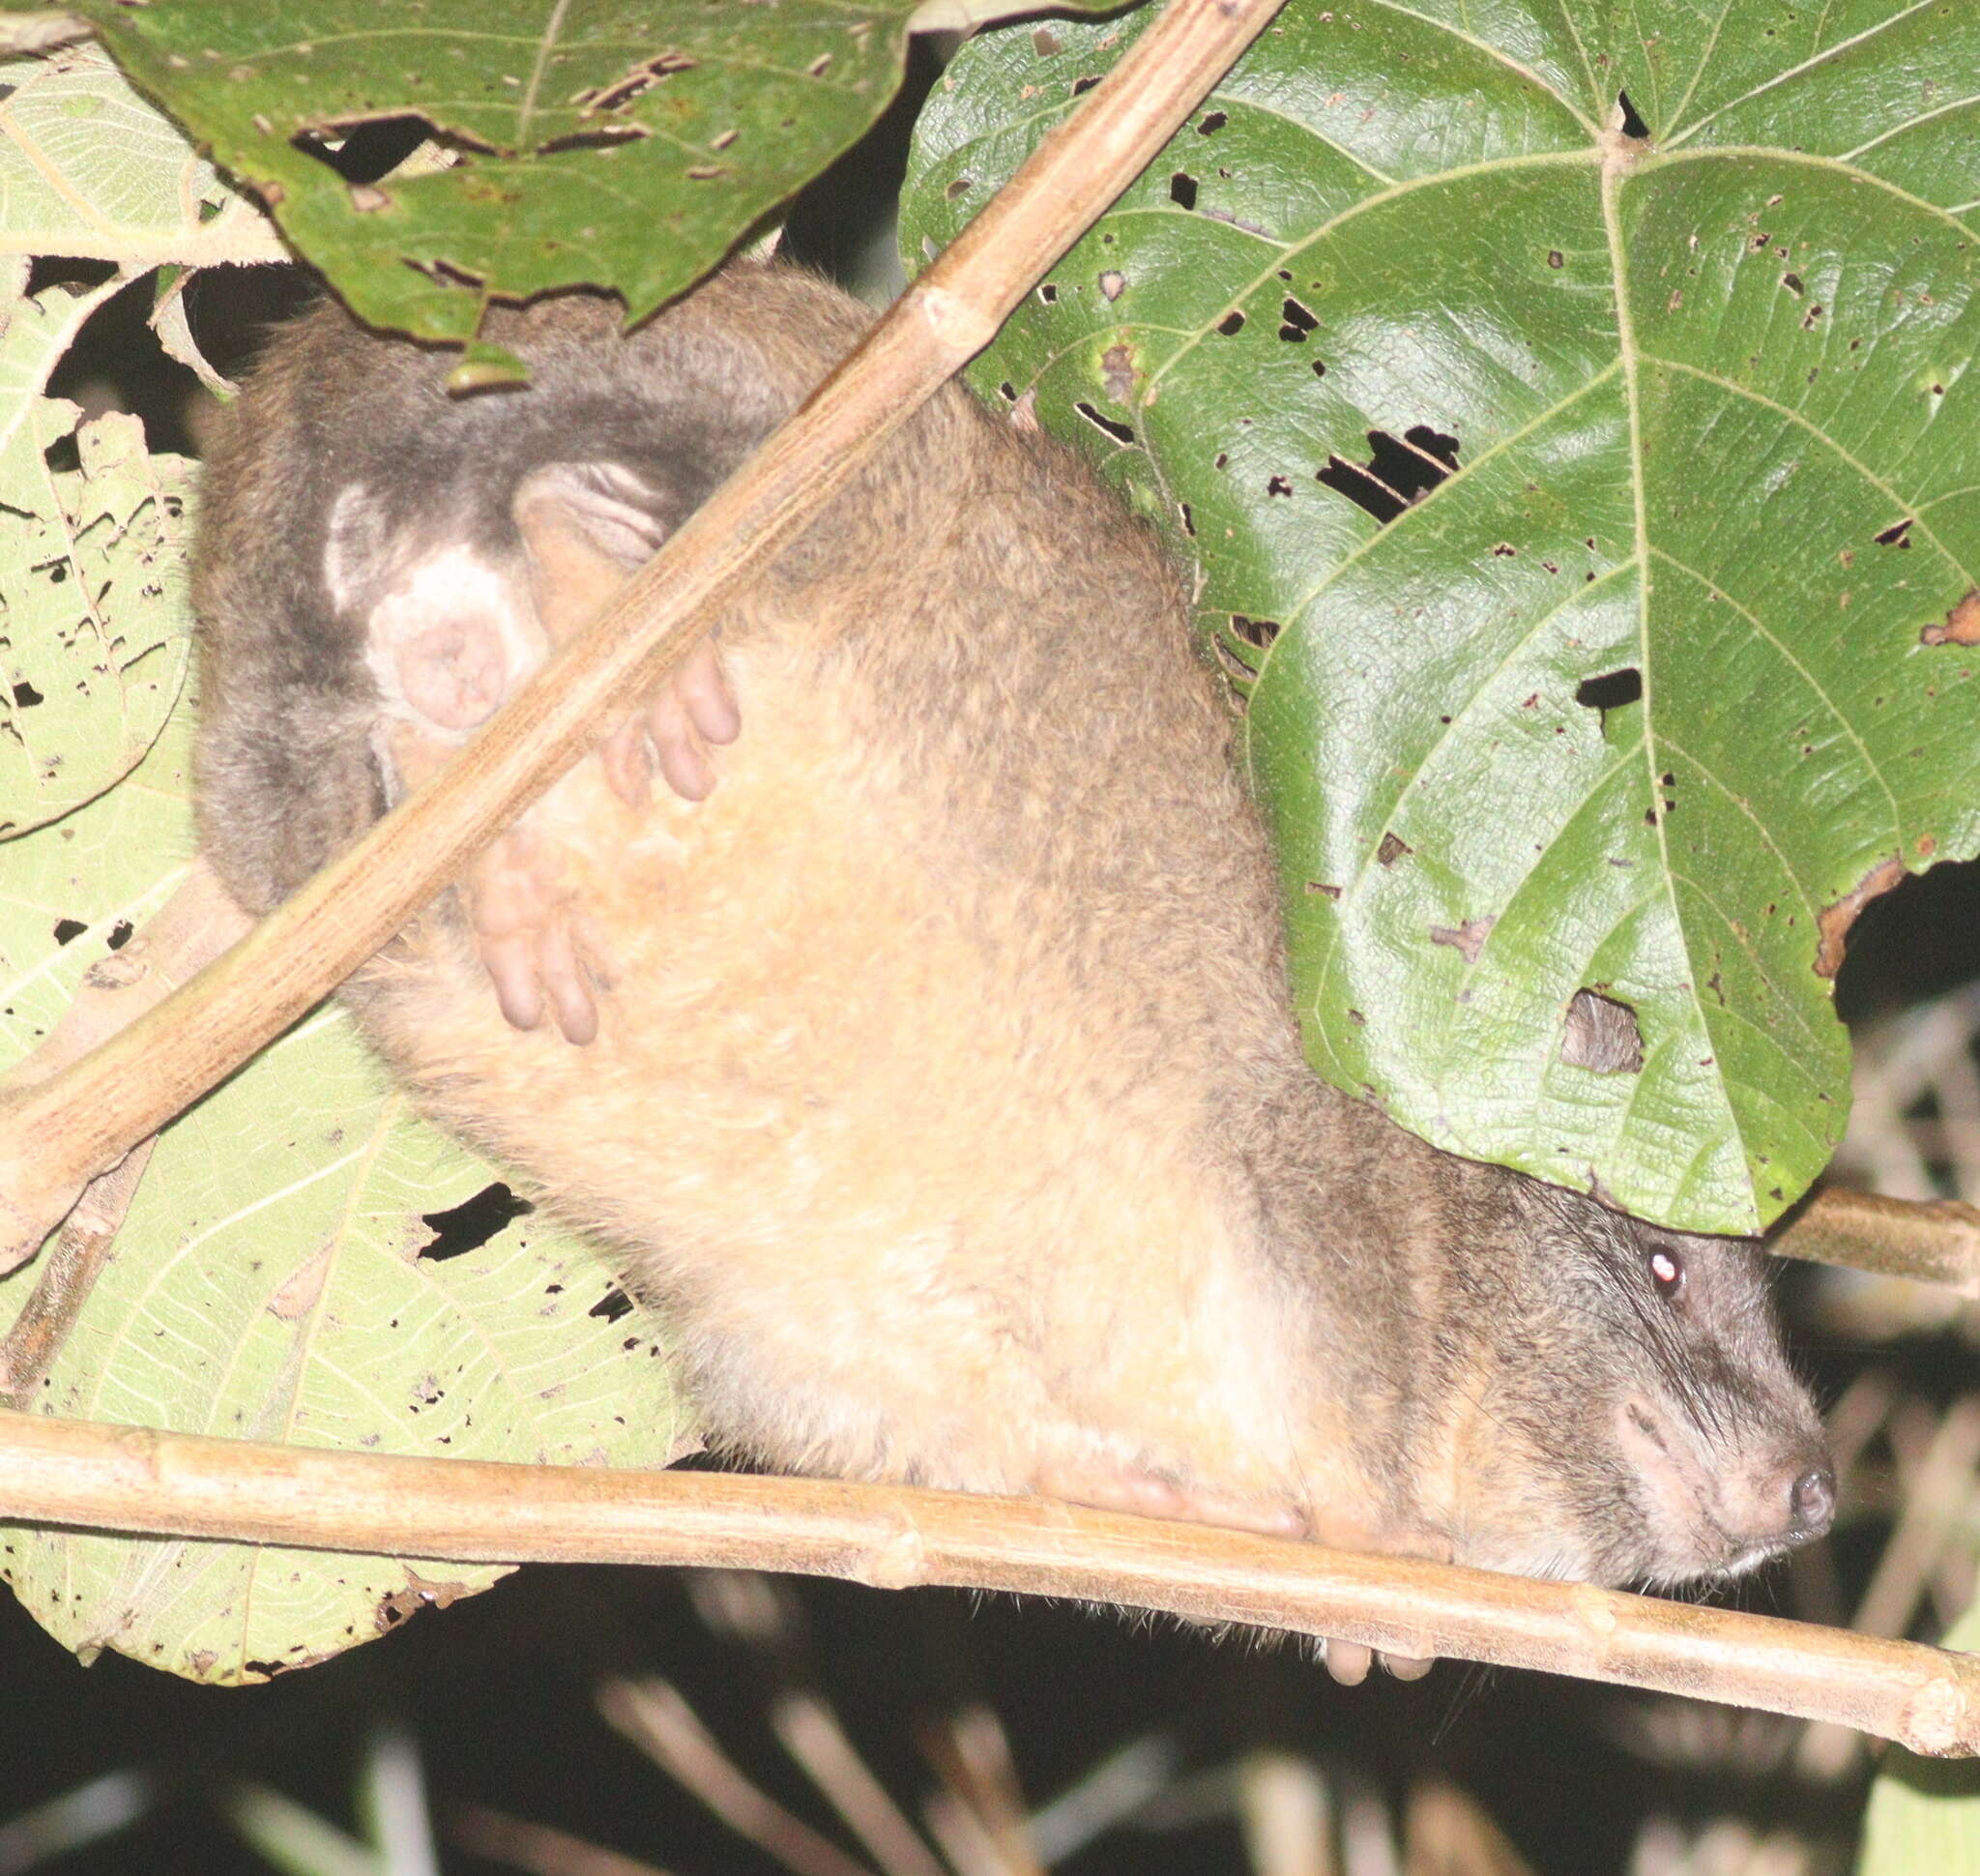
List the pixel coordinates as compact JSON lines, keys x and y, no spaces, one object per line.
{"x":1148,"y":1495}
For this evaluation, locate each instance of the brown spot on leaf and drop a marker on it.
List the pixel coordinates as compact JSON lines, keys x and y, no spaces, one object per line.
{"x":1235,"y":665}
{"x":1118,"y":373}
{"x":1398,"y":473}
{"x":297,"y":1295}
{"x":1602,"y":1195}
{"x":1467,"y":938}
{"x":420,"y":1592}
{"x":1392,"y":850}
{"x":1112,"y":283}
{"x":1602,"y":1035}
{"x":1962,"y":625}
{"x":1296,"y":322}
{"x":1325,"y":890}
{"x":1835,"y":920}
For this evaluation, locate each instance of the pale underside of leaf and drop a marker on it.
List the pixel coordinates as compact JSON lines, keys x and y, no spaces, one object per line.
{"x":290,"y":1270}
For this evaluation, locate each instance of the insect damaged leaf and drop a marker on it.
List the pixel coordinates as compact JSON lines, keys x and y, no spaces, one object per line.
{"x":1586,"y":394}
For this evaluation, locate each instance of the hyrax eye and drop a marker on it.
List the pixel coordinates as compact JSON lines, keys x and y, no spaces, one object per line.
{"x":1667,"y":1272}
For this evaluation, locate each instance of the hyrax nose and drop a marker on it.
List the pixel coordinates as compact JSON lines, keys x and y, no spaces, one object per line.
{"x":1810,"y":1504}
{"x":1780,"y":1499}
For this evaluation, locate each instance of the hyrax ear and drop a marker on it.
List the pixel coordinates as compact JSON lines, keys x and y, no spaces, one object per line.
{"x":355,"y":560}
{"x":584,"y":527}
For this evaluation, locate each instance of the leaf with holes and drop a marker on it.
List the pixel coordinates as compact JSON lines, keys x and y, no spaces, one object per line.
{"x":1569,"y":409}
{"x":598,"y":142}
{"x":93,"y":630}
{"x":305,"y":1261}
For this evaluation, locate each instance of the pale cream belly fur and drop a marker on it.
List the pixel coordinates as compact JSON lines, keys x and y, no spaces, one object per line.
{"x":847,"y":1112}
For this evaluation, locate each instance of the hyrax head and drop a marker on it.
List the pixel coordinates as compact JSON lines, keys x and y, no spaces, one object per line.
{"x":1635,"y":1417}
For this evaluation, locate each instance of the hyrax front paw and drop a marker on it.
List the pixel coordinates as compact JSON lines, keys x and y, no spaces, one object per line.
{"x":535,"y":943}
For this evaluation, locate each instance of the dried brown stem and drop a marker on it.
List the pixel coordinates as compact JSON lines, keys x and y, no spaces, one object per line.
{"x":1936,"y":1496}
{"x":655,"y":1719}
{"x":67,"y":1274}
{"x":1936,"y":1240}
{"x":809,"y":1731}
{"x":537,"y":1848}
{"x":972,"y":1756}
{"x":187,"y":933}
{"x":137,"y":1479}
{"x":56,"y":1137}
{"x":1285,"y":1810}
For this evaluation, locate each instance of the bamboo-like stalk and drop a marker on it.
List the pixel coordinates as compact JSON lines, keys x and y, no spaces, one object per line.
{"x":1931,"y":1241}
{"x":57,"y":1134}
{"x":137,"y":1479}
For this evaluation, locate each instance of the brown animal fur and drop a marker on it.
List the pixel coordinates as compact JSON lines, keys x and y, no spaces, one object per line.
{"x":945,"y":1085}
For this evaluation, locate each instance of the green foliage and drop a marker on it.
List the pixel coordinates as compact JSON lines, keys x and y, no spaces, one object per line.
{"x":1693,"y":407}
{"x":97,"y":632}
{"x":610,"y":142}
{"x":94,"y":632}
{"x":88,"y":167}
{"x":275,"y":1276}
{"x":397,"y":1835}
{"x":1690,"y":412}
{"x":285,"y":1275}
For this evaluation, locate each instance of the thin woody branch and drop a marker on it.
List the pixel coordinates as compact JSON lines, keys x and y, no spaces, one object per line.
{"x":1931,"y":1241}
{"x":56,"y":1135}
{"x":187,"y":933}
{"x":136,"y":1480}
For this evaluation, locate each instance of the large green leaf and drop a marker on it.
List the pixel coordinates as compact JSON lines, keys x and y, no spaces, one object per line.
{"x":290,"y":1270}
{"x":1584,"y":518}
{"x":615,"y":143}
